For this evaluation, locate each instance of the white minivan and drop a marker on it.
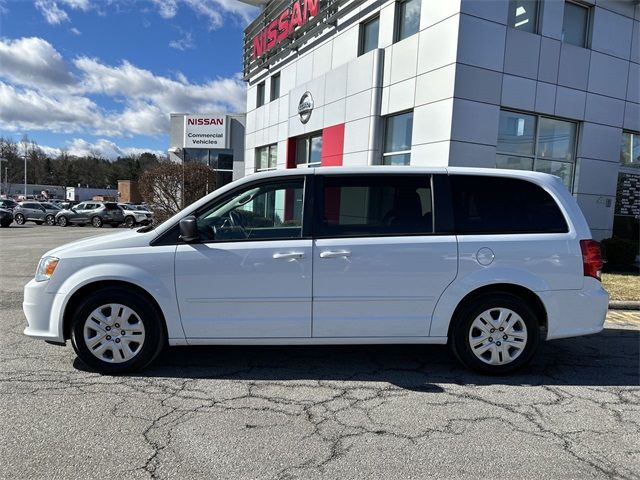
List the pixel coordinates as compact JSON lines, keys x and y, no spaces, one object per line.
{"x":489,"y":261}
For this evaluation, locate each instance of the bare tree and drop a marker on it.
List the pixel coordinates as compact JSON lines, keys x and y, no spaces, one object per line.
{"x":169,"y":187}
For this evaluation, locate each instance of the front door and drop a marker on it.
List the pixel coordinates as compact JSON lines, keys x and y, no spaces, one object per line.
{"x":250,"y":275}
{"x":379,"y":268}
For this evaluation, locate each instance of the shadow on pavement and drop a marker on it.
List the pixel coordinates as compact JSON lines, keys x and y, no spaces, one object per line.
{"x":610,"y":358}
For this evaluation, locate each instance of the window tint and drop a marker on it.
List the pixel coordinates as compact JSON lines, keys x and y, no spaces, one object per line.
{"x":369,"y":35}
{"x":260,"y":95}
{"x":376,"y":205}
{"x":397,"y":139}
{"x":275,"y":87}
{"x":408,"y":18}
{"x":492,"y":205}
{"x":264,"y":212}
{"x":575,"y":27}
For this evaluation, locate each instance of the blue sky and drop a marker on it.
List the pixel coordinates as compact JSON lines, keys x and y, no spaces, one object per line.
{"x":102,"y":76}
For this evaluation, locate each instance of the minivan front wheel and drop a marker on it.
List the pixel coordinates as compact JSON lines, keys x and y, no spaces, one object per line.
{"x":114,"y":331}
{"x":495,"y":334}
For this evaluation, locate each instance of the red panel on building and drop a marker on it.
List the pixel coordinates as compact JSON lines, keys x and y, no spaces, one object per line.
{"x":291,"y":153}
{"x":332,"y":146}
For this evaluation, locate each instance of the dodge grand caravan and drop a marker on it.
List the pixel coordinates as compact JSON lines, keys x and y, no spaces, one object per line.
{"x":490,"y":261}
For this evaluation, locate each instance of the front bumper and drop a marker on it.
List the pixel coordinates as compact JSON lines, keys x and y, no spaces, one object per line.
{"x":572,"y":313}
{"x":42,"y":310}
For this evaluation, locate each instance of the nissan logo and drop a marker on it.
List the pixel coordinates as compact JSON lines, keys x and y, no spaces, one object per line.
{"x":305,"y":107}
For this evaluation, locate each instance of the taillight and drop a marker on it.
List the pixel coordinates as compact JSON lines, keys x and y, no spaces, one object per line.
{"x":591,"y":258}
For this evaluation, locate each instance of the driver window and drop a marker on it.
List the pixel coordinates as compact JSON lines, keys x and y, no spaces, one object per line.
{"x":261,"y":212}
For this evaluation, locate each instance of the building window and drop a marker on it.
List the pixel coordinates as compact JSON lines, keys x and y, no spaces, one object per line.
{"x":630,"y":150}
{"x":523,"y":15}
{"x":275,"y":87}
{"x":531,"y":142}
{"x":260,"y":95}
{"x":266,"y":158}
{"x":369,"y":35}
{"x":397,"y":139}
{"x":575,"y":27}
{"x":309,"y":151}
{"x":220,"y":161}
{"x":407,"y":18}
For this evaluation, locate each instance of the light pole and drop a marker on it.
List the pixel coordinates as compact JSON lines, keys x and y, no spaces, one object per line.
{"x":25,"y":176}
{"x":6,"y":179}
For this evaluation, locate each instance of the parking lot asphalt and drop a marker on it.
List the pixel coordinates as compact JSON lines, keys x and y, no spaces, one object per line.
{"x":386,"y":412}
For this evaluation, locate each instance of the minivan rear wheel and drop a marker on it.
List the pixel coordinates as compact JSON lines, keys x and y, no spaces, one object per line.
{"x":115,"y":331}
{"x":495,"y":334}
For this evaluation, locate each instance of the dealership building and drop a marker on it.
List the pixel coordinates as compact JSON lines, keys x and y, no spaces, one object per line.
{"x":551,"y":86}
{"x":216,"y":140}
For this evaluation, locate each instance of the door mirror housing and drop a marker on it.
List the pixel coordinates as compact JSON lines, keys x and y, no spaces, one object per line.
{"x":189,"y":229}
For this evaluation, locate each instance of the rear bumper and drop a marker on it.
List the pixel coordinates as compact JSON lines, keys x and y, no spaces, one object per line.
{"x":572,"y":313}
{"x":42,"y":312}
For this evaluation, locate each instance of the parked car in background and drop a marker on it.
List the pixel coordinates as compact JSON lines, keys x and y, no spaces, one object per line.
{"x":51,"y":210}
{"x":29,"y":211}
{"x":95,"y":213}
{"x":490,"y":261}
{"x":6,"y":217}
{"x":8,"y":203}
{"x":135,"y":215}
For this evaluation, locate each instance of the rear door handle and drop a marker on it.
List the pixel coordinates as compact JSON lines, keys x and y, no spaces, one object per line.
{"x":288,"y":255}
{"x":335,"y":254}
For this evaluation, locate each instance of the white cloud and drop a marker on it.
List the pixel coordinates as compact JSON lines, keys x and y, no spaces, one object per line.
{"x":53,"y":14}
{"x":184,"y":43}
{"x":40,"y":93}
{"x":33,"y":61}
{"x":75,"y":31}
{"x":166,"y":8}
{"x":105,"y":149}
{"x":213,"y":11}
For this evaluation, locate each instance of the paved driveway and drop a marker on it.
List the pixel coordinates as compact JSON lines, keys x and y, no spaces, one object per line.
{"x":386,"y":412}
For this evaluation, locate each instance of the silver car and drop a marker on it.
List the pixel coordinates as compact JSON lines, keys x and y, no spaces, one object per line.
{"x":95,"y":213}
{"x":29,"y":211}
{"x":51,"y":210}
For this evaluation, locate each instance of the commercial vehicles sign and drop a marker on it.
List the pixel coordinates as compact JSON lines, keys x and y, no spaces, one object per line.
{"x":205,"y":131}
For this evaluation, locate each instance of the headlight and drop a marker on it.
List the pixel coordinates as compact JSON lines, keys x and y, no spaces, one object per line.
{"x":46,"y":267}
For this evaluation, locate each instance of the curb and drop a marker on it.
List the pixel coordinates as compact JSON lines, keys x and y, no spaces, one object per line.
{"x":624,"y":305}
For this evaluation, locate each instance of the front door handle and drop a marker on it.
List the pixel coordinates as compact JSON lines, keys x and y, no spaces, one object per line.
{"x":335,"y":254}
{"x":288,"y":255}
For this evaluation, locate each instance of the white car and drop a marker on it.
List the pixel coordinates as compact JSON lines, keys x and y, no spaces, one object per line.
{"x":489,"y":261}
{"x":135,"y":215}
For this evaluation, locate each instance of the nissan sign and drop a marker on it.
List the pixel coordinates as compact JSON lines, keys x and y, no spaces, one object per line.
{"x":205,"y":131}
{"x":305,"y":107}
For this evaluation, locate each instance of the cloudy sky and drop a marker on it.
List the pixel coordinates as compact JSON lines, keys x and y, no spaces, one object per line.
{"x":102,"y":76}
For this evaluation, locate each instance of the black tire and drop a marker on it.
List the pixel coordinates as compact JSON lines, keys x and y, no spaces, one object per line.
{"x":96,"y":222}
{"x":50,"y":220}
{"x":155,"y":337}
{"x":63,"y":221}
{"x":5,"y":224}
{"x":462,"y":325}
{"x":129,"y":222}
{"x":19,"y":219}
{"x":115,"y":225}
{"x":38,"y":222}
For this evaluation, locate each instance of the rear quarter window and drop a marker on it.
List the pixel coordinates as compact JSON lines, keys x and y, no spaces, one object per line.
{"x":502,"y":205}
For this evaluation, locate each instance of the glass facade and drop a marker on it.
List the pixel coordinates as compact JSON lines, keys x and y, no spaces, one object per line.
{"x":260,"y":95}
{"x":221,"y":161}
{"x":397,"y":139}
{"x":531,"y":142}
{"x":369,"y":35}
{"x":408,"y":18}
{"x":309,"y":151}
{"x":266,"y":158}
{"x":575,"y":26}
{"x":275,"y":87}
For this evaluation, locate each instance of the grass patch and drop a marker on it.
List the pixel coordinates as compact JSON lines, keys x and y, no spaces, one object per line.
{"x":622,"y":286}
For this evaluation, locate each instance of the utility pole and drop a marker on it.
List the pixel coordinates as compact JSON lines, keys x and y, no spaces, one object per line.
{"x":25,"y":176}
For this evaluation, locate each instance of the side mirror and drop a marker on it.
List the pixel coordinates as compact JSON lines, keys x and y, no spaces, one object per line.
{"x":189,"y":229}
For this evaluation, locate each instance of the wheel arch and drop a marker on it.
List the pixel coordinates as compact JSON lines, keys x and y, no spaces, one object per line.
{"x":529,"y":296}
{"x":83,"y":291}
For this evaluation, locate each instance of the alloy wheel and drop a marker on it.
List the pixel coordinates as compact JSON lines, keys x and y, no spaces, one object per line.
{"x":114,"y":333}
{"x":498,"y":336}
